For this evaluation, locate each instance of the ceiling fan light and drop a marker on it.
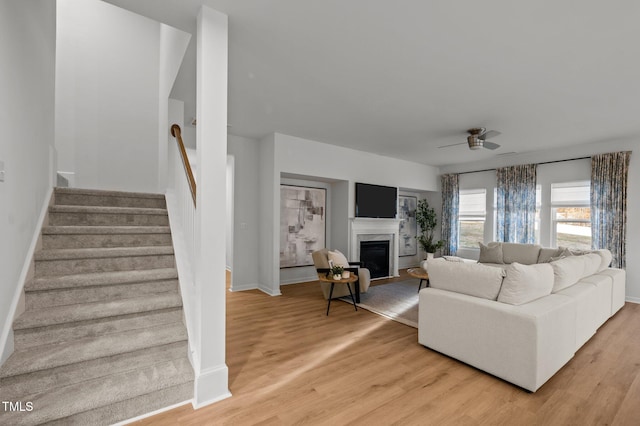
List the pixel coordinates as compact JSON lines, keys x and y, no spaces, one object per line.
{"x":474,"y":142}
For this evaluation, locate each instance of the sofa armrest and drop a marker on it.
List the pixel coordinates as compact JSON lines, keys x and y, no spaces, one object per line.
{"x":524,"y":345}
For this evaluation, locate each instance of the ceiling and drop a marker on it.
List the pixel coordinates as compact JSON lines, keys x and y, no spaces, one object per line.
{"x":402,"y":78}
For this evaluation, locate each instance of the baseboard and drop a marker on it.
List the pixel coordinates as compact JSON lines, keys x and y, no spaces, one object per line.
{"x":299,"y":280}
{"x":7,"y":330}
{"x":633,"y":299}
{"x":244,"y":287}
{"x":269,"y":291}
{"x":211,"y":385}
{"x":70,"y":177}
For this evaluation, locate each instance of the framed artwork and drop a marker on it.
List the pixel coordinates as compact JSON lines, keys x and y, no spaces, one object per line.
{"x":302,"y":224}
{"x":408,"y":225}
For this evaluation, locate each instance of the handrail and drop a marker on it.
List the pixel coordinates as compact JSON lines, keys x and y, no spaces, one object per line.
{"x":176,"y":133}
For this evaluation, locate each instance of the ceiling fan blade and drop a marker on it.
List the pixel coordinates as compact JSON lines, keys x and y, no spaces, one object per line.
{"x":489,"y":134}
{"x":453,"y":144}
{"x":490,"y":145}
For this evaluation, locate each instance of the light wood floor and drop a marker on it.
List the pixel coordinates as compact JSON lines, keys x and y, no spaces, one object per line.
{"x":291,"y":364}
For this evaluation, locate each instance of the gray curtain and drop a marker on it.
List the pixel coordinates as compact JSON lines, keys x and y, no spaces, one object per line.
{"x":450,"y":213}
{"x":516,"y":204}
{"x":609,"y":174}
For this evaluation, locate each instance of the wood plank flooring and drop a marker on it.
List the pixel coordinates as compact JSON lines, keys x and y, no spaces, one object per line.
{"x":289,"y":364}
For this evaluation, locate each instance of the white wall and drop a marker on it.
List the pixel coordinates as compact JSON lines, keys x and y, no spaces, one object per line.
{"x":246,"y":200}
{"x":107,"y":96}
{"x":269,"y":219}
{"x":173,"y":44}
{"x":575,"y":171}
{"x":185,"y":90}
{"x":27,"y":70}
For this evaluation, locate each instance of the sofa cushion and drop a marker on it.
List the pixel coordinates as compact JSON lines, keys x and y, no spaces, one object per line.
{"x":473,"y":279}
{"x":491,"y":253}
{"x":549,"y":254}
{"x":526,"y":254}
{"x":569,"y":270}
{"x":605,"y":257}
{"x":524,"y":283}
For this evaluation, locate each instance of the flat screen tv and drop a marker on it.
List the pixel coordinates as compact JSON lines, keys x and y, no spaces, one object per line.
{"x":376,"y":201}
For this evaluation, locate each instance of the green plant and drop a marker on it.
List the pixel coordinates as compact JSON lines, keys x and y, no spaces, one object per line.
{"x":337,"y":270}
{"x":427,"y":221}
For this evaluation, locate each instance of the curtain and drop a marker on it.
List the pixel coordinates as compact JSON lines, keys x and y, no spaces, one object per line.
{"x":516,"y":204}
{"x":609,"y":174}
{"x":450,"y":213}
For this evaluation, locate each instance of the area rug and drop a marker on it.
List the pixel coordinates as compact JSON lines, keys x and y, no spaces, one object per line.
{"x":397,"y":301}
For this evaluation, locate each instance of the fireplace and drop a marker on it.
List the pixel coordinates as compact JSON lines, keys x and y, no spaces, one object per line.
{"x":376,"y":230}
{"x":374,"y":255}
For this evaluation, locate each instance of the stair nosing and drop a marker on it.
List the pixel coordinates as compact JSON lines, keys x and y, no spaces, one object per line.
{"x":102,"y":252}
{"x":104,"y":353}
{"x":105,"y":230}
{"x":55,"y":328}
{"x":36,"y":318}
{"x":71,"y":208}
{"x":64,"y":369}
{"x":108,"y":193}
{"x":101,"y":278}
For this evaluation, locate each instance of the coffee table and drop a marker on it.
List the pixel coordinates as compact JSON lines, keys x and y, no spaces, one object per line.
{"x":352,"y":279}
{"x":420,"y":274}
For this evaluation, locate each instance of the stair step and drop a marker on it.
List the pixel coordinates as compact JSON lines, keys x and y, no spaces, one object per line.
{"x":107,"y":216}
{"x":78,"y":398}
{"x":78,"y":261}
{"x":15,"y":388}
{"x":69,"y":332}
{"x":102,"y":338}
{"x":61,"y":237}
{"x":62,"y":297}
{"x":50,"y":356}
{"x":94,"y":311}
{"x":101,"y":279}
{"x":90,"y":197}
{"x":131,"y":408}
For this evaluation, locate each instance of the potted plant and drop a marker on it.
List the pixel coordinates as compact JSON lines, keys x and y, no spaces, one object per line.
{"x":336,"y":271}
{"x":427,"y":221}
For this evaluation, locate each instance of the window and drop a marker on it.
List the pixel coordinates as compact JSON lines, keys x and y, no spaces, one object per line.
{"x":571,"y":215}
{"x":472,"y":215}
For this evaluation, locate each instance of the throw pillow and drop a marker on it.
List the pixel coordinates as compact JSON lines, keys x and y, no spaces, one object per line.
{"x":525,"y":283}
{"x":491,"y":253}
{"x":526,"y":254}
{"x":562,"y":253}
{"x":606,"y":258}
{"x":338,"y":259}
{"x":570,"y":270}
{"x":473,"y":279}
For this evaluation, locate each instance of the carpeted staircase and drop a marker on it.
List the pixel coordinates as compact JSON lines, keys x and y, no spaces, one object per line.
{"x":102,"y":338}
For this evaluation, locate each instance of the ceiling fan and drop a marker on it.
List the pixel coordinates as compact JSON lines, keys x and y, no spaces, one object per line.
{"x":478,"y":139}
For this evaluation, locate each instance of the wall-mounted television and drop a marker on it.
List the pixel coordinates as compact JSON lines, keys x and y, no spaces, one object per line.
{"x":376,"y":201}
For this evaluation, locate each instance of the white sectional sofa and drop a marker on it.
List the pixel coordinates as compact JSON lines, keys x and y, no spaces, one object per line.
{"x":521,"y":315}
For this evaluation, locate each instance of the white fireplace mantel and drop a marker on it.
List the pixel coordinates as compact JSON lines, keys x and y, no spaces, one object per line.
{"x":364,"y":229}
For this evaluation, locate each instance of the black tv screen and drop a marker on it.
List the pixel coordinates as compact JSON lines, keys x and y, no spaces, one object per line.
{"x":376,"y":201}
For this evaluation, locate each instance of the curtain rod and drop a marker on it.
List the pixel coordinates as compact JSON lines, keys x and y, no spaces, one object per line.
{"x":545,"y":162}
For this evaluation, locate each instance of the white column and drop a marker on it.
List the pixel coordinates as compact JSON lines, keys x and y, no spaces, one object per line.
{"x":211,"y":133}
